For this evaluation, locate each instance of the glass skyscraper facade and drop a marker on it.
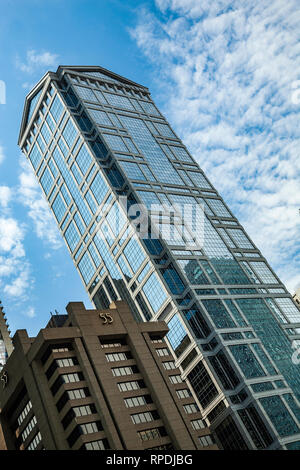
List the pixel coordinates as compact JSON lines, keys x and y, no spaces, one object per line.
{"x":98,"y":145}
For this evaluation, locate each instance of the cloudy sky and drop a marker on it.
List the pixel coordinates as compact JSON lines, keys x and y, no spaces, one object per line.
{"x":226,"y":74}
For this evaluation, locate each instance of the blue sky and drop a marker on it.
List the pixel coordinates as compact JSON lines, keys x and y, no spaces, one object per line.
{"x":225,"y":73}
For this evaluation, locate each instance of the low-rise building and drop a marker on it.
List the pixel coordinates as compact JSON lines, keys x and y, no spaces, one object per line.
{"x":97,"y":379}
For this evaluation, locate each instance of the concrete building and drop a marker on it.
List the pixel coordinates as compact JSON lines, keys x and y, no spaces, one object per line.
{"x":6,"y":346}
{"x":97,"y":379}
{"x":99,"y":146}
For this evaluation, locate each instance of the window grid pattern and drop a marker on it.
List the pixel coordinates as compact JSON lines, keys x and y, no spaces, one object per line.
{"x":221,"y":260}
{"x":154,"y":292}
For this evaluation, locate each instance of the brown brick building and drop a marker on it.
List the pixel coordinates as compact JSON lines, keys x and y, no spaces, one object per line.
{"x":97,"y":380}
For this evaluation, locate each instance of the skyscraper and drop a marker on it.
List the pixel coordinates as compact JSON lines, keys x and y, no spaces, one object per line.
{"x":99,"y":146}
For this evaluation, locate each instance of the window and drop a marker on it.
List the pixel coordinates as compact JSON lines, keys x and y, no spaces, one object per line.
{"x":63,"y":147}
{"x":205,"y":441}
{"x":50,"y":122}
{"x":78,"y":393}
{"x":173,"y":280}
{"x":35,"y":442}
{"x":100,"y":117}
{"x":28,"y":428}
{"x":119,"y":371}
{"x":83,"y":159}
{"x":112,"y":343}
{"x":175,"y":379}
{"x":184,"y":364}
{"x":115,"y":142}
{"x":158,"y":161}
{"x":69,"y":133}
{"x":32,"y":105}
{"x":169,"y":365}
{"x":72,"y":395}
{"x":58,"y":208}
{"x":256,"y":428}
{"x":229,"y":435}
{"x":240,"y":238}
{"x":85,"y":93}
{"x":162,"y":352}
{"x":99,"y":188}
{"x":134,"y":254}
{"x":154,"y":433}
{"x":196,"y":321}
{"x":56,"y":109}
{"x":195,"y":274}
{"x":184,"y":393}
{"x":218,"y":207}
{"x":132,"y":385}
{"x":279,"y":415}
{"x":66,"y":362}
{"x":154,"y":292}
{"x":60,"y":347}
{"x":35,"y":156}
{"x":149,"y":108}
{"x":76,"y":173}
{"x":290,"y":310}
{"x":202,"y":384}
{"x":133,"y":171}
{"x":66,"y":378}
{"x":198,"y":424}
{"x":88,"y":428}
{"x":177,"y":336}
{"x":191,"y":408}
{"x":199,"y":179}
{"x":181,"y":154}
{"x":165,"y":130}
{"x":118,"y":101}
{"x":216,"y":411}
{"x":162,"y":447}
{"x":122,"y":356}
{"x":137,"y":401}
{"x":86,"y":268}
{"x":115,"y":219}
{"x":263,"y":272}
{"x":76,"y":412}
{"x":146,"y":417}
{"x":24,"y":412}
{"x":156,"y":339}
{"x":46,"y":181}
{"x":72,"y":236}
{"x":45,"y":133}
{"x":247,"y":361}
{"x":101,"y":444}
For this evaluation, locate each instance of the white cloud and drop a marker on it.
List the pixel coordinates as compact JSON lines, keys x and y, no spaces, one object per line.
{"x":36,"y":61}
{"x":20,"y":285}
{"x":29,"y":194}
{"x":11,"y":237}
{"x":16,"y":280}
{"x":5,"y":196}
{"x":2,"y":156}
{"x":28,"y":85}
{"x":227,"y":72}
{"x":30,"y":312}
{"x":15,"y":270}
